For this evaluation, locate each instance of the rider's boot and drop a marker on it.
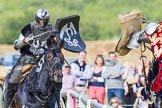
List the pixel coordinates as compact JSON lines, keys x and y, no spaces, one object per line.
{"x":11,"y":90}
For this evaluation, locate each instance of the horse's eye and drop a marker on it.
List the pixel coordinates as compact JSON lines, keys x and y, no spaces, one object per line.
{"x":50,"y":56}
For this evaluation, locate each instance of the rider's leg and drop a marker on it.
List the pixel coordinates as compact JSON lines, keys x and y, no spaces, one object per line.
{"x":11,"y":89}
{"x":13,"y":84}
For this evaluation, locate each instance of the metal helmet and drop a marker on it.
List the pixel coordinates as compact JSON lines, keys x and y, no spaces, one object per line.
{"x":42,"y":17}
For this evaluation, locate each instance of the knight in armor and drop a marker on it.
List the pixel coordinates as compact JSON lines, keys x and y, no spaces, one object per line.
{"x":29,"y":49}
{"x":152,"y":34}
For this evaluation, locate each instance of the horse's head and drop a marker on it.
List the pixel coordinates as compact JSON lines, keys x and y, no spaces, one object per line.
{"x":54,"y":61}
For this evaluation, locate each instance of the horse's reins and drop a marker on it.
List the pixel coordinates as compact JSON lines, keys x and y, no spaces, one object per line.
{"x":66,"y":62}
{"x":47,"y":65}
{"x":146,"y":86}
{"x":143,"y":62}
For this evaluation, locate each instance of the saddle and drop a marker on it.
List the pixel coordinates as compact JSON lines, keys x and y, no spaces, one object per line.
{"x":25,"y":70}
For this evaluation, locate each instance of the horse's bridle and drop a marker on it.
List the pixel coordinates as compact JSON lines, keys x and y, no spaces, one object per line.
{"x":40,"y":98}
{"x":48,"y":66}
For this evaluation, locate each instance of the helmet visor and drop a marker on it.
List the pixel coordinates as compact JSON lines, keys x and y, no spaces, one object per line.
{"x":43,"y":22}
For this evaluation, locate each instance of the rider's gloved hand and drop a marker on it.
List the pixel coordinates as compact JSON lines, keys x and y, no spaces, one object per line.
{"x":54,"y":31}
{"x":28,"y":40}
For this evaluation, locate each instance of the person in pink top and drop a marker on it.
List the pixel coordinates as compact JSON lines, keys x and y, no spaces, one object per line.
{"x":96,"y":89}
{"x":68,"y":82}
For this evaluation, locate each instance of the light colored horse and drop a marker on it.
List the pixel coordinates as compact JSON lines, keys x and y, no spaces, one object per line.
{"x":3,"y":74}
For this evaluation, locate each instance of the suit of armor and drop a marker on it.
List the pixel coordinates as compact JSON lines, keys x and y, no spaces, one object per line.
{"x":30,"y":50}
{"x":156,"y":42}
{"x":152,"y":34}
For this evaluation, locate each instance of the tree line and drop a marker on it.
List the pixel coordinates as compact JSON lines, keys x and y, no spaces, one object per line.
{"x":98,"y":18}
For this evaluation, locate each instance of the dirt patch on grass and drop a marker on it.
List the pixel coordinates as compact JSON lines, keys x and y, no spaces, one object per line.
{"x":93,"y":48}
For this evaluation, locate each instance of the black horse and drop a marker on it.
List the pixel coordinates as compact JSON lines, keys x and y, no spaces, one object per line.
{"x":41,"y":86}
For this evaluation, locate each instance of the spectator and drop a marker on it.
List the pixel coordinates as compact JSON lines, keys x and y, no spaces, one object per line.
{"x":68,"y":82}
{"x":130,"y":84}
{"x":140,"y":102}
{"x":113,"y":76}
{"x":96,"y":87}
{"x":115,"y":102}
{"x":82,"y":72}
{"x":143,"y":69}
{"x":130,"y":74}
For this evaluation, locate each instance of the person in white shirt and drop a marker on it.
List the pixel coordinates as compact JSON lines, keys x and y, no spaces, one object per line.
{"x":82,"y":70}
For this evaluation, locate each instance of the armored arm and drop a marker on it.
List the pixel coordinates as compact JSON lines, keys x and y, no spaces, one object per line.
{"x":136,"y":39}
{"x":19,"y":43}
{"x":142,"y":35}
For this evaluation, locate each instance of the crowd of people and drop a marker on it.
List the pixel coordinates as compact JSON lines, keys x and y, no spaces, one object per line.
{"x":108,"y":81}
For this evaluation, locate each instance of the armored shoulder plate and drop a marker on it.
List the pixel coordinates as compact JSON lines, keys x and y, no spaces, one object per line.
{"x":151,"y":27}
{"x":26,"y":30}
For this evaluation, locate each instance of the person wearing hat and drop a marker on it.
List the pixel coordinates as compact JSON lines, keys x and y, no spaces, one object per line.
{"x":68,"y":82}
